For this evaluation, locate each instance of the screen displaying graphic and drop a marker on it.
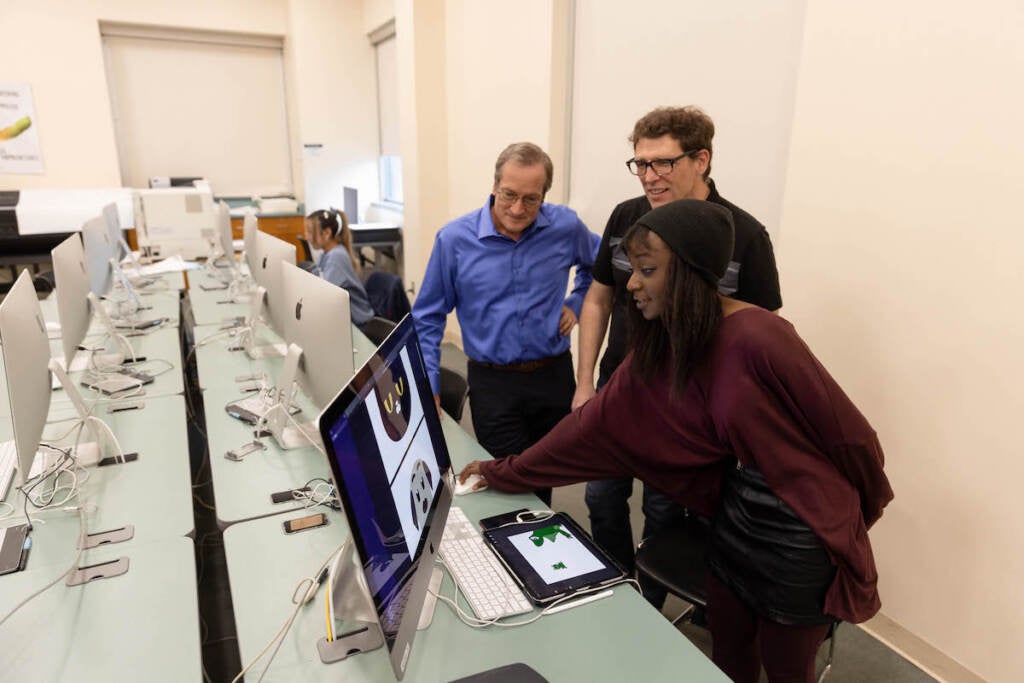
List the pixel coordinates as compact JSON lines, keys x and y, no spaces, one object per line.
{"x":388,"y":458}
{"x":555,"y":553}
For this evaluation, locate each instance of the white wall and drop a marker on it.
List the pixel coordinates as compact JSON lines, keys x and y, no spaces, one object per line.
{"x":901,"y":267}
{"x":56,"y":47}
{"x":497,"y":94}
{"x":334,"y":94}
{"x":736,"y":60}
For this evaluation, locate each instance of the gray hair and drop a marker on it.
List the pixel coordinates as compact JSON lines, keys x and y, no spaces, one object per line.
{"x":526,"y":154}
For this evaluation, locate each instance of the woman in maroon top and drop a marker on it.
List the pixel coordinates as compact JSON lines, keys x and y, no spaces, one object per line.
{"x":722,"y":406}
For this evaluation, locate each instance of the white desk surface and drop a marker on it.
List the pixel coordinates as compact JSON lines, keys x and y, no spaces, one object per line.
{"x":142,"y":625}
{"x":160,"y":303}
{"x":615,"y":639}
{"x":153,"y":493}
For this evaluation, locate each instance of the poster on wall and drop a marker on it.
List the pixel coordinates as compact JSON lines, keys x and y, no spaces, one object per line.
{"x":19,"y":137}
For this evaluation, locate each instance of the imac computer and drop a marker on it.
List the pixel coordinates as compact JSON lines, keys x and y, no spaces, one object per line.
{"x":250,"y":227}
{"x":72,"y":290}
{"x":391,"y":468}
{"x":122,"y":250}
{"x":26,"y":359}
{"x":98,"y":250}
{"x":318,"y":330}
{"x":270,"y":253}
{"x":27,"y":366}
{"x":75,"y":308}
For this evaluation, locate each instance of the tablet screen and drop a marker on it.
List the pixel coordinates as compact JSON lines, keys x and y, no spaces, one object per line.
{"x":552,"y":557}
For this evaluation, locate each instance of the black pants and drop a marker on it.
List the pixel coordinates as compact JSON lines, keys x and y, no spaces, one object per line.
{"x":513,"y":410}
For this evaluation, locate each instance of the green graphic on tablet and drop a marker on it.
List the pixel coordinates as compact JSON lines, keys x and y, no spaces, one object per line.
{"x":548,"y":533}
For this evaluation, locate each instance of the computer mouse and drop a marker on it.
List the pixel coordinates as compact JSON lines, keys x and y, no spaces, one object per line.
{"x":462,"y":489}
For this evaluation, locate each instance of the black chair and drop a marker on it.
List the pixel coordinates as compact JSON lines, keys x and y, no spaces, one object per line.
{"x":675,"y":559}
{"x":387,"y":295}
{"x":454,"y":390}
{"x":377,"y":329}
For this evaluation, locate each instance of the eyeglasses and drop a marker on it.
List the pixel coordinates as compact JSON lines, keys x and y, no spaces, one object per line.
{"x":530,"y":201}
{"x":661,"y":166}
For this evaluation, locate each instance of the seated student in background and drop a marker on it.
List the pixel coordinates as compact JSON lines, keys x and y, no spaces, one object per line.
{"x":329,"y":231}
{"x":722,"y":406}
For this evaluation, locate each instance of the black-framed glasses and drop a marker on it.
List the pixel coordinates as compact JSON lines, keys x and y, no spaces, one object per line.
{"x":530,"y":201}
{"x":661,"y":167}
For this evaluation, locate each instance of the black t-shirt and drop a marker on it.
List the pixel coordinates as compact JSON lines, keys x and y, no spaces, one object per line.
{"x":751,"y":275}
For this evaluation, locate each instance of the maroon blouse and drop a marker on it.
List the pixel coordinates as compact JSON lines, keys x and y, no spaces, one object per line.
{"x":760,"y":397}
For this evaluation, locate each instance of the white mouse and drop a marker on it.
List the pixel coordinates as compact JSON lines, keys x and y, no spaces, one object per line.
{"x":467,"y":487}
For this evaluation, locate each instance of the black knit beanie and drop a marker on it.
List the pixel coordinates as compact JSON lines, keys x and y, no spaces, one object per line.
{"x":699,"y":232}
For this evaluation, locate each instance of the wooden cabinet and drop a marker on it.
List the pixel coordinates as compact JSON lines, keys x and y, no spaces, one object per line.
{"x":287,"y":228}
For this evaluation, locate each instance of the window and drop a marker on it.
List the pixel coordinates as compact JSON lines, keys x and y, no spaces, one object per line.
{"x":390,"y":161}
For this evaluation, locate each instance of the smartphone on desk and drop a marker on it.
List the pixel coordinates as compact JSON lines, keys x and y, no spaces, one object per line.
{"x":496,"y":521}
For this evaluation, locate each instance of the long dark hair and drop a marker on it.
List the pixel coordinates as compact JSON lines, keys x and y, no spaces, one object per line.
{"x":336,"y":221}
{"x":681,"y":337}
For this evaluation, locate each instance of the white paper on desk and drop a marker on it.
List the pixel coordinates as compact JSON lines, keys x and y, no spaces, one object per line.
{"x":171,"y":264}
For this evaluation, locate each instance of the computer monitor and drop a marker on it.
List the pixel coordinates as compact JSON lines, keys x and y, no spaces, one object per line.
{"x":271,"y":252}
{"x":72,"y":294}
{"x":225,"y":239}
{"x":98,"y":250}
{"x":26,"y":354}
{"x":250,"y":227}
{"x":350,"y":204}
{"x":391,"y":468}
{"x":320,"y":324}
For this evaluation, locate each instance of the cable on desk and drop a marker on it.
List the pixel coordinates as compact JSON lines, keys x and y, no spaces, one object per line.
{"x":473,"y":621}
{"x":74,"y":565}
{"x":304,"y":592}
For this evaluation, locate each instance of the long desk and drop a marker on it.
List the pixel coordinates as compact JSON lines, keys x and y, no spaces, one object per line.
{"x":616,"y":639}
{"x":140,"y":625}
{"x":153,"y":493}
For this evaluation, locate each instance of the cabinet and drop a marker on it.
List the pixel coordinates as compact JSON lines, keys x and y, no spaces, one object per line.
{"x":287,"y":228}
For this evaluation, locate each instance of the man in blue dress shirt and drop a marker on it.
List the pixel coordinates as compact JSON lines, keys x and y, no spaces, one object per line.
{"x":505,"y":268}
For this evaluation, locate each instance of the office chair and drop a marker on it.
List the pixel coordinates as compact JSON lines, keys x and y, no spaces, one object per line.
{"x":377,"y":329}
{"x":387,"y":295}
{"x":454,"y":391}
{"x":675,"y":559}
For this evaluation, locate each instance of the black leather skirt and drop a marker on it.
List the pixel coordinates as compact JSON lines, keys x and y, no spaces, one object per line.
{"x":767,"y":555}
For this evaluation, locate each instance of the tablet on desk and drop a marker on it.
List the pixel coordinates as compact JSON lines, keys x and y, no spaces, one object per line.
{"x":552,"y":558}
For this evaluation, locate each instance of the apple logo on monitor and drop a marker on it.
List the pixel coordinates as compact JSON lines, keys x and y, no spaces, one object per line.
{"x":298,"y":310}
{"x":420,"y":493}
{"x":264,"y":266}
{"x":394,"y":398}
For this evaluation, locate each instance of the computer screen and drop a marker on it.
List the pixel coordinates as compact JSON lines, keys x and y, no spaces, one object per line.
{"x":113,"y":221}
{"x":72,"y":294}
{"x":390,"y":464}
{"x":319,"y":323}
{"x":98,"y":250}
{"x":250,"y":227}
{"x":271,"y":252}
{"x":350,"y":204}
{"x":26,"y":354}
{"x":225,"y":239}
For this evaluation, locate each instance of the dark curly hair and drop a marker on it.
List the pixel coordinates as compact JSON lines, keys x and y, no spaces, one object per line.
{"x":689,"y":126}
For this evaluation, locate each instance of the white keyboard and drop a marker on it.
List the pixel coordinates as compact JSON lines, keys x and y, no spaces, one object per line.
{"x":488,"y":588}
{"x":8,"y":462}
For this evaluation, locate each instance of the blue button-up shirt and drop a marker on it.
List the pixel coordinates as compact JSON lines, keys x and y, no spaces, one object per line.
{"x":508,"y":293}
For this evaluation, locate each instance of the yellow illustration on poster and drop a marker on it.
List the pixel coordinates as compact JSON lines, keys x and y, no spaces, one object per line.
{"x":19,"y":135}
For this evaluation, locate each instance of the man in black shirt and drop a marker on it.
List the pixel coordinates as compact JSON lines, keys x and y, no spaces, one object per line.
{"x":672,"y":159}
